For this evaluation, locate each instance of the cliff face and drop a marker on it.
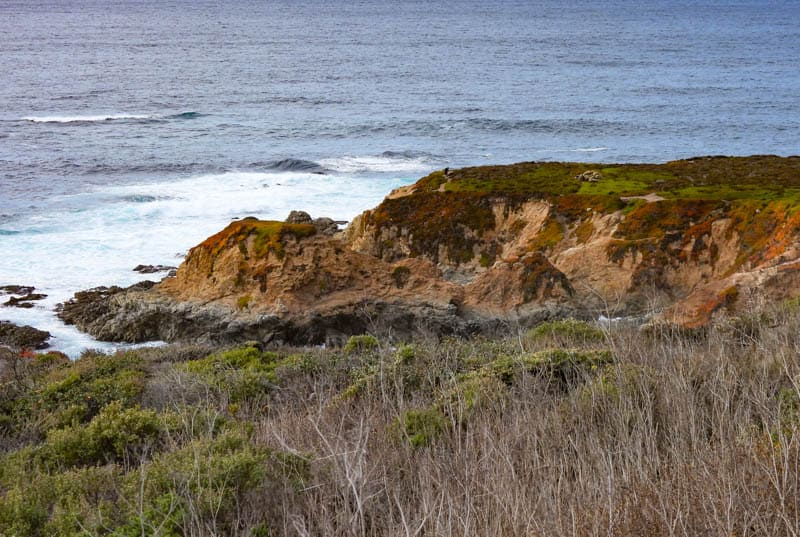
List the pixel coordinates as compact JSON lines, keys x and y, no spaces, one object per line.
{"x":516,"y":243}
{"x":683,"y":239}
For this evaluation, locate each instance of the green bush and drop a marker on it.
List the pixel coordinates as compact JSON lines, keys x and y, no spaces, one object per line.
{"x":566,"y":332}
{"x":566,"y":365}
{"x":75,"y":502}
{"x":70,"y":393}
{"x":359,"y":344}
{"x":405,"y":354}
{"x":115,"y":434}
{"x":240,"y":373}
{"x":472,"y":391}
{"x":422,"y":426}
{"x":208,"y":479}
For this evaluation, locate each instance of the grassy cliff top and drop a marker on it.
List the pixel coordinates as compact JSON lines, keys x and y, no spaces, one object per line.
{"x":267,"y":236}
{"x":756,"y":177}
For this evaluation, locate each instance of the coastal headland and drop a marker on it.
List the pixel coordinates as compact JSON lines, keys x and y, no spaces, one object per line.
{"x":484,"y":250}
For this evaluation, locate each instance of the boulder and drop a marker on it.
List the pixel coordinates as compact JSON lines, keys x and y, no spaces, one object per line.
{"x":22,"y":337}
{"x":299,"y":217}
{"x":589,"y":176}
{"x":326,"y":226}
{"x":16,"y":289}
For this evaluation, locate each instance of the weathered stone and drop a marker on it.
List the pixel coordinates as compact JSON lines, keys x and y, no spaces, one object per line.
{"x":22,"y":337}
{"x":326,"y":226}
{"x":151,"y":269}
{"x":16,"y":289}
{"x":299,"y":217}
{"x":589,"y":176}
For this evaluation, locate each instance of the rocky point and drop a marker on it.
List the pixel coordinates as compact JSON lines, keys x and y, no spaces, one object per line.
{"x":485,"y":249}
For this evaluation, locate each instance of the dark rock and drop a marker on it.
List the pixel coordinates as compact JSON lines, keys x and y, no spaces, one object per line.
{"x":16,"y":289}
{"x":22,"y":337}
{"x":132,"y":315}
{"x":24,"y":295}
{"x":326,"y":226}
{"x":151,"y":269}
{"x":24,"y":301}
{"x":299,"y":217}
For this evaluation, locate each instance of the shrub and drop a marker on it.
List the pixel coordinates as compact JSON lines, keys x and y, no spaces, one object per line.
{"x":566,"y":365}
{"x":359,"y":344}
{"x":405,"y":354}
{"x":472,"y":391}
{"x":422,"y":426}
{"x":70,"y":393}
{"x":240,"y":374}
{"x":113,"y":435}
{"x":566,"y":332}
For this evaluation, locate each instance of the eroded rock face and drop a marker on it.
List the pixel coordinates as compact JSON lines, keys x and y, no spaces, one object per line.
{"x":481,"y":249}
{"x":22,"y":337}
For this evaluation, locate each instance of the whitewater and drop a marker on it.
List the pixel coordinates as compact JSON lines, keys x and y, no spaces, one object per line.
{"x":130,"y":131}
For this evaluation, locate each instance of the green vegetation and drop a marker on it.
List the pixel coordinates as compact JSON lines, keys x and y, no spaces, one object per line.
{"x":455,"y":221}
{"x":360,"y":344}
{"x":453,"y":214}
{"x":243,"y":301}
{"x":605,"y":423}
{"x":757,"y":177}
{"x":566,"y":332}
{"x":253,"y":237}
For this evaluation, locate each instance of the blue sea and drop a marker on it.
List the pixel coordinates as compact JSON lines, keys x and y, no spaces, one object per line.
{"x":132,"y":129}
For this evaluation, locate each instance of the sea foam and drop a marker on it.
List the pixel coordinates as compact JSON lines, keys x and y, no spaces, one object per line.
{"x":118,"y":227}
{"x":84,"y":119}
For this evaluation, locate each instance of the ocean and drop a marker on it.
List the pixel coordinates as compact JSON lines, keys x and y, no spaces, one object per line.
{"x":131,"y":130}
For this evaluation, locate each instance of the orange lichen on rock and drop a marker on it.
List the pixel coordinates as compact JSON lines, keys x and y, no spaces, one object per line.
{"x":502,"y":240}
{"x":267,"y":236}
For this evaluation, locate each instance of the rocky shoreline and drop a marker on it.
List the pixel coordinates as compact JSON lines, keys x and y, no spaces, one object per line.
{"x":22,"y":337}
{"x":131,"y":315}
{"x":483,"y":250}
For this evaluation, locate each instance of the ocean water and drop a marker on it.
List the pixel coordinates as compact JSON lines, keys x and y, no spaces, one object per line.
{"x":132,"y":129}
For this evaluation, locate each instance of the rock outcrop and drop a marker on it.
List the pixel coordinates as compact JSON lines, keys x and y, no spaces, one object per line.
{"x":483,"y":248}
{"x":23,"y":296}
{"x":22,"y":337}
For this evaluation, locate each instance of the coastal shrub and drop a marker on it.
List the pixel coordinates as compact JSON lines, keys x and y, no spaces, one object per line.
{"x":298,"y":363}
{"x":420,"y":427}
{"x":563,"y":365}
{"x":208,"y":481}
{"x":68,"y":393}
{"x":116,"y":434}
{"x":566,"y":364}
{"x":362,"y":379}
{"x":76,"y":502}
{"x":401,"y":275}
{"x":473,"y":391}
{"x":788,"y":401}
{"x":405,"y":354}
{"x":360,"y":344}
{"x":566,"y":332}
{"x":239,"y":373}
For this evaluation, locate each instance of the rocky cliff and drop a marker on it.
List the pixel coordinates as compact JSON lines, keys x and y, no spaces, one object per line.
{"x":483,"y":248}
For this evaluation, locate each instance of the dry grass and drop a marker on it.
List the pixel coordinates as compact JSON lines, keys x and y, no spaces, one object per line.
{"x":678,"y":437}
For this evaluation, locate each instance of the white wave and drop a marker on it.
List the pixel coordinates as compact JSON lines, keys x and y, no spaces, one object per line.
{"x":61,"y":252}
{"x":84,"y":119}
{"x":589,"y":149}
{"x":379,"y":164}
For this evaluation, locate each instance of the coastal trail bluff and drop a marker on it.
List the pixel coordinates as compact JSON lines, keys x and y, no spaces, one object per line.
{"x":482,"y":249}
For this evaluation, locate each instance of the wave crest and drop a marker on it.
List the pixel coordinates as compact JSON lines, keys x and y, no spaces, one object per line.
{"x":97,"y":118}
